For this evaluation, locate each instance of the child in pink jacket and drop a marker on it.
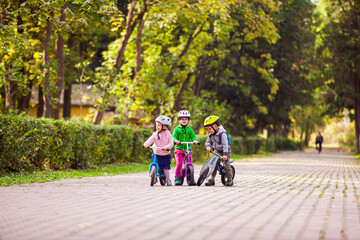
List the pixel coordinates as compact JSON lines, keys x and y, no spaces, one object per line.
{"x":162,"y":138}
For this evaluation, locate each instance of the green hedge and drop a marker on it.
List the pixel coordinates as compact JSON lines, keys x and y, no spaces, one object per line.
{"x":28,"y":143}
{"x":239,"y":145}
{"x":250,"y":145}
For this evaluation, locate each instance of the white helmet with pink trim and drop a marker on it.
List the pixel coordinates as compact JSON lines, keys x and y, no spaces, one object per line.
{"x":164,"y":120}
{"x":184,"y":113}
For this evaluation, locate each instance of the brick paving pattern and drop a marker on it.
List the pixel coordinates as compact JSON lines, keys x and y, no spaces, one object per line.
{"x":292,"y":195}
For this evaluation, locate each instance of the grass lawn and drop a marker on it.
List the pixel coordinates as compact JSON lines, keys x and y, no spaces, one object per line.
{"x":47,"y":175}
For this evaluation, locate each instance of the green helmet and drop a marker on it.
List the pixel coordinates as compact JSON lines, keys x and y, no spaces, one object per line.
{"x":210,"y":120}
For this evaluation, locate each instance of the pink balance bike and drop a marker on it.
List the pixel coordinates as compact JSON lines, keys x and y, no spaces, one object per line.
{"x":187,"y":170}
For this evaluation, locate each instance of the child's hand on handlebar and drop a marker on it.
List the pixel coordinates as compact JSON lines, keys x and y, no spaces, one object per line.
{"x":177,"y":142}
{"x":145,"y":146}
{"x":208,"y":149}
{"x":224,"y":158}
{"x":196,"y":143}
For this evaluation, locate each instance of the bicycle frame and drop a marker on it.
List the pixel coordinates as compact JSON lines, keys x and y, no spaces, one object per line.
{"x":214,"y":164}
{"x":187,"y":162}
{"x":155,"y":162}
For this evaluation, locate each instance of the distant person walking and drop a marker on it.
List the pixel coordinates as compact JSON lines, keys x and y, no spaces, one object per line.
{"x":319,"y":140}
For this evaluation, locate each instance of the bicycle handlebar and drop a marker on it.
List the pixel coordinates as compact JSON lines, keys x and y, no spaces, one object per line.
{"x":221,"y":157}
{"x":189,"y":143}
{"x":215,"y":154}
{"x":152,"y":147}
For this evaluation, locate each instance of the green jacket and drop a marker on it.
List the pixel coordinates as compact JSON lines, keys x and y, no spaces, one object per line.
{"x":183,"y":134}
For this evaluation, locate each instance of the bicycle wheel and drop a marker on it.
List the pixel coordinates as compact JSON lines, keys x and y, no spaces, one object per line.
{"x":190,"y":176}
{"x":224,"y":179}
{"x":163,"y":178}
{"x":153,"y":175}
{"x":202,"y":176}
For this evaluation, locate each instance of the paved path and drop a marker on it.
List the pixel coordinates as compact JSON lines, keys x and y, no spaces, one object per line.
{"x":293,"y":195}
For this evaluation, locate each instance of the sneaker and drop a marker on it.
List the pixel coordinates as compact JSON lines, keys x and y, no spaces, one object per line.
{"x":211,"y":182}
{"x":229,"y":183}
{"x":177,"y":181}
{"x":168,"y":182}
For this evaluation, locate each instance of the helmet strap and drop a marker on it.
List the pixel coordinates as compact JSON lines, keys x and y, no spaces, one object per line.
{"x":215,"y":131}
{"x":162,"y":130}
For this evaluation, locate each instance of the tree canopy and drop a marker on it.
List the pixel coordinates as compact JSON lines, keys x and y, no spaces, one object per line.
{"x":275,"y":66}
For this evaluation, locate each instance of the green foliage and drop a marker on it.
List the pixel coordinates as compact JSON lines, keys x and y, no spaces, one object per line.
{"x":28,"y":144}
{"x":250,"y":62}
{"x":349,"y":139}
{"x":278,"y":143}
{"x":182,"y":37}
{"x":248,"y":146}
{"x":338,"y":48}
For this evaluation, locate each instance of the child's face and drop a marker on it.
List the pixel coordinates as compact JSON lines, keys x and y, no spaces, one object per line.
{"x":159,"y":127}
{"x":184,"y":121}
{"x":210,"y":128}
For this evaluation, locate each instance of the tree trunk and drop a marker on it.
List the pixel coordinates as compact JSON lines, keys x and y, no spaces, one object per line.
{"x":180,"y":95}
{"x":68,"y":85}
{"x":24,"y":102}
{"x":98,"y":116}
{"x":10,"y":86}
{"x":138,"y":61}
{"x":124,"y":41}
{"x":191,"y":38}
{"x":47,"y":93}
{"x":130,"y":25}
{"x":307,"y":134}
{"x":61,"y":62}
{"x":67,"y":101}
{"x":200,"y":77}
{"x":10,"y":89}
{"x":357,"y":112}
{"x":40,"y":108}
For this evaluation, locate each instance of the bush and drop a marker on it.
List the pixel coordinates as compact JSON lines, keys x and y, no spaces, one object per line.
{"x":252,"y":145}
{"x":348,"y":139}
{"x":28,"y":143}
{"x":240,"y":146}
{"x":199,"y":154}
{"x":237,"y":145}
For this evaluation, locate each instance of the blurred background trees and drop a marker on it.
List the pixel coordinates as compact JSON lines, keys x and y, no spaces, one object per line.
{"x":265,"y":67}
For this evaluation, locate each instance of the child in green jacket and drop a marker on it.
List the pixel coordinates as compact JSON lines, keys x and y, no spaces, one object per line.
{"x":182,"y":133}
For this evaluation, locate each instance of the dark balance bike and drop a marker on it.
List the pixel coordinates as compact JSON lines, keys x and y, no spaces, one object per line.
{"x":154,"y":169}
{"x":214,"y":164}
{"x":187,"y":170}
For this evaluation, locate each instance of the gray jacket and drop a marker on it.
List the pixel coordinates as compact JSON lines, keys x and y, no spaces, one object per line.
{"x":222,"y":145}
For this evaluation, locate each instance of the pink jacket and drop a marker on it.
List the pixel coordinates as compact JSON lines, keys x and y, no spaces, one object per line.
{"x":165,"y":141}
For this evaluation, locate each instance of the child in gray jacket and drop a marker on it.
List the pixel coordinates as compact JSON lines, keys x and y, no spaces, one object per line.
{"x":218,"y":139}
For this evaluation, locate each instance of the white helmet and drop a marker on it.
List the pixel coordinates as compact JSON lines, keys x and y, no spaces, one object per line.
{"x":184,"y":113}
{"x":164,"y":120}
